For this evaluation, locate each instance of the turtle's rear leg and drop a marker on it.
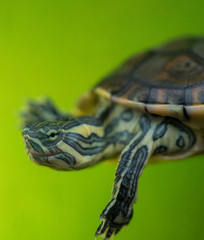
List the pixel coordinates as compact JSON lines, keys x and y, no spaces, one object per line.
{"x":44,"y":110}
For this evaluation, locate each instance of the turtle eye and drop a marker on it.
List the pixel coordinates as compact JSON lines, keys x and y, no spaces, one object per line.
{"x":53,"y":134}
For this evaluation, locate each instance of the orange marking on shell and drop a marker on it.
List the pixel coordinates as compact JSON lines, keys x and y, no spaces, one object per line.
{"x":161,"y":77}
{"x":131,"y":90}
{"x":160,"y":95}
{"x":195,"y":93}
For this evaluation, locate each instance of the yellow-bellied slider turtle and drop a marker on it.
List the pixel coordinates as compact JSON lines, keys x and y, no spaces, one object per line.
{"x":152,"y":105}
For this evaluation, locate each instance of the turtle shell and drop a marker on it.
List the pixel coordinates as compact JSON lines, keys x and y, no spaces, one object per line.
{"x":167,"y":81}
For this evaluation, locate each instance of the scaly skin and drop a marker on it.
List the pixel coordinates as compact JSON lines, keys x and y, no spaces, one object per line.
{"x":80,"y":142}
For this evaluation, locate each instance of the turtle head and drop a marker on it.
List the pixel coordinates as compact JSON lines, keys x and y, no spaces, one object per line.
{"x":61,"y":145}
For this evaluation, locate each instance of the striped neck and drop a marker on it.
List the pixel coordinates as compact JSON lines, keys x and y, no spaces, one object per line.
{"x":102,"y":137}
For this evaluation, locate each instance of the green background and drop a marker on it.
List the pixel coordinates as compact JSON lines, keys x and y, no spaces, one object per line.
{"x":60,"y":49}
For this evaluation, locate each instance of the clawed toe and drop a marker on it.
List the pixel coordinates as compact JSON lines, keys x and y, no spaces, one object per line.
{"x":107,"y":229}
{"x":113,"y":219}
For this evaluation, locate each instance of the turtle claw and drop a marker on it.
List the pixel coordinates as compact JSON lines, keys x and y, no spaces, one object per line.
{"x":106,"y":231}
{"x":114,"y":217}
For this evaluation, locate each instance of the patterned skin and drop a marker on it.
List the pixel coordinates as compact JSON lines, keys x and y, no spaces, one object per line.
{"x":81,"y":142}
{"x":142,"y":110}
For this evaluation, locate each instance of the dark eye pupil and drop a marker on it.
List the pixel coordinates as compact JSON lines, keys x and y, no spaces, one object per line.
{"x":52,"y":134}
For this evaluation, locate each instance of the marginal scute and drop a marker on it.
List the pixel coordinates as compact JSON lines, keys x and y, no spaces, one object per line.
{"x":196,"y":115}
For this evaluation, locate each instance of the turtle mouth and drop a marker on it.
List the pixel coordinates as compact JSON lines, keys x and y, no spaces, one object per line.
{"x":43,"y":158}
{"x":36,"y":154}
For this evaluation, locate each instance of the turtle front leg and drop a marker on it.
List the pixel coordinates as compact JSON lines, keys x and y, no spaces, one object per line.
{"x":160,"y":137}
{"x":134,"y":157}
{"x":44,"y":110}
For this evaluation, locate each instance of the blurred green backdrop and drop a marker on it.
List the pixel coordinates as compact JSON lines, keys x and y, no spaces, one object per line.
{"x":60,"y":49}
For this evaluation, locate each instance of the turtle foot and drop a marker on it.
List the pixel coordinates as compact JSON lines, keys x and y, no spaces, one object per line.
{"x":114,"y":217}
{"x":38,"y":111}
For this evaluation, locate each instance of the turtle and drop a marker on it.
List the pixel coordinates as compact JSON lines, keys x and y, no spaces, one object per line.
{"x":151,"y":107}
